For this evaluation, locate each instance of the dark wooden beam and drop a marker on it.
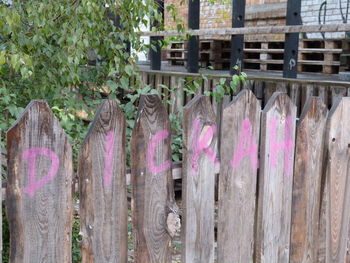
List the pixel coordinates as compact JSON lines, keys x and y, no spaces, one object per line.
{"x":290,"y":66}
{"x":237,"y":41}
{"x":193,"y":42}
{"x":155,"y":54}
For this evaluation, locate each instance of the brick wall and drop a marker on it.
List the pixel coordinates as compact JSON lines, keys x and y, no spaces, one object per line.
{"x":310,"y":15}
{"x":212,"y":15}
{"x":268,"y":14}
{"x":259,"y":13}
{"x":182,"y":13}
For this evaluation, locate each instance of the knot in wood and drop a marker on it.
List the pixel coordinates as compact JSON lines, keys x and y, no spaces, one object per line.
{"x":173,"y":224}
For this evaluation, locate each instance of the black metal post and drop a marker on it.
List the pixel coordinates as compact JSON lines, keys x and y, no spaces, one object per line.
{"x":291,"y":46}
{"x":237,"y":41}
{"x":193,"y":42}
{"x":155,"y":53}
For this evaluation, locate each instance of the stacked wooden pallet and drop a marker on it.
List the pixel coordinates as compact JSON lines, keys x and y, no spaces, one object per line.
{"x":315,"y":55}
{"x":177,"y":53}
{"x":320,"y":56}
{"x":215,"y":53}
{"x":345,"y":56}
{"x":263,"y":55}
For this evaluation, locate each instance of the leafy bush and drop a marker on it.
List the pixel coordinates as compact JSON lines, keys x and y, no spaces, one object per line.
{"x":73,"y":54}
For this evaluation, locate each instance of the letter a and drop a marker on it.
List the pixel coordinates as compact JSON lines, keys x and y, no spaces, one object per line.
{"x":286,"y":145}
{"x":246,"y":146}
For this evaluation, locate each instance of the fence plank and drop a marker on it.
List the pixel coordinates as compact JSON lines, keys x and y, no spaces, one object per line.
{"x":153,"y":194}
{"x":321,"y":246}
{"x":323,"y":94}
{"x":295,"y":95}
{"x":102,"y":182}
{"x":307,"y":181}
{"x":39,"y":190}
{"x":276,"y":179}
{"x":307,"y":91}
{"x":158,"y":82}
{"x":237,"y":181}
{"x":337,"y":92}
{"x":337,"y":180}
{"x":269,"y":90}
{"x":199,"y":158}
{"x":177,"y":95}
{"x":1,"y":199}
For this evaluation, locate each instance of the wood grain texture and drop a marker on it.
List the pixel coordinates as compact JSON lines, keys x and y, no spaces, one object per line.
{"x":269,"y":90}
{"x":321,"y":245}
{"x":1,"y":162}
{"x":336,"y":93}
{"x":158,"y":82}
{"x":294,"y":94}
{"x":323,"y":94}
{"x":308,"y":169}
{"x":282,"y":87}
{"x":40,"y":221}
{"x":102,"y":182}
{"x":198,"y":182}
{"x":152,"y":193}
{"x":275,"y":180}
{"x":177,"y":95}
{"x":337,"y":181}
{"x":307,"y":91}
{"x":259,"y":89}
{"x":240,"y":131}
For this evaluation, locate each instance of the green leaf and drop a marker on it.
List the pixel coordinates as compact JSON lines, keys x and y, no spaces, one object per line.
{"x":129,"y":70}
{"x":2,"y":57}
{"x":112,"y":85}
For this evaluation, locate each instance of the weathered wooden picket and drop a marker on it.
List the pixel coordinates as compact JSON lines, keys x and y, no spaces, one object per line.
{"x":283,"y":187}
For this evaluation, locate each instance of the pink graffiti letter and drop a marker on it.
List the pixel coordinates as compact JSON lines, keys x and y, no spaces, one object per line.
{"x":159,"y":136}
{"x":286,"y":146}
{"x":31,"y":155}
{"x":246,"y":146}
{"x":201,"y":144}
{"x":109,"y":146}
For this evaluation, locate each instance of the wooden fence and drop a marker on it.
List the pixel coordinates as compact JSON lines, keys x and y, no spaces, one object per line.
{"x":283,"y":184}
{"x":299,"y":90}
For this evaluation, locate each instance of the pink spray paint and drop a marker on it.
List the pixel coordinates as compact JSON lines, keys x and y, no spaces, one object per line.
{"x":201,"y":144}
{"x":109,"y":146}
{"x":156,"y":169}
{"x":31,"y":155}
{"x":246,"y":146}
{"x":287,"y":145}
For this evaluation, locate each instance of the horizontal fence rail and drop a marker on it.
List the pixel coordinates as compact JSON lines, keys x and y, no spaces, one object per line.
{"x":253,"y":30}
{"x":283,"y":188}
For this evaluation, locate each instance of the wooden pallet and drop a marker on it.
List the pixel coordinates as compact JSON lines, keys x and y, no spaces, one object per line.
{"x":215,"y":53}
{"x":315,"y":55}
{"x":345,"y":56}
{"x":264,"y":55}
{"x":319,"y":56}
{"x":177,"y":53}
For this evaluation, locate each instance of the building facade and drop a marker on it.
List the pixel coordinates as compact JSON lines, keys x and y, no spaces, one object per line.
{"x":264,"y":13}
